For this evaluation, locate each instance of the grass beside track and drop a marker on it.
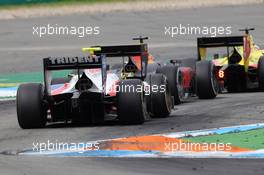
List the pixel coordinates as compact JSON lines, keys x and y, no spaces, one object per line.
{"x":55,"y":3}
{"x":27,"y":77}
{"x":253,"y":139}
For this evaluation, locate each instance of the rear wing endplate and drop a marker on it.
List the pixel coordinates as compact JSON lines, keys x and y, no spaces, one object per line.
{"x":64,"y":63}
{"x":206,"y":42}
{"x":61,"y":63}
{"x":210,"y":42}
{"x":122,"y":50}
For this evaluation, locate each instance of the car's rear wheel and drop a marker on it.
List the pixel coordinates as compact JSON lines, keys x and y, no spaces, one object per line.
{"x":171,"y":73}
{"x":159,"y":101}
{"x":261,"y":73}
{"x":31,"y":112}
{"x":131,"y":104}
{"x":206,"y":81}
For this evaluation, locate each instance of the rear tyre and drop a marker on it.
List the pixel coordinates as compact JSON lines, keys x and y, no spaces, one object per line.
{"x":261,"y":73}
{"x":206,"y":82}
{"x":131,"y":105}
{"x":30,"y":109}
{"x":159,"y":102}
{"x":171,"y":73}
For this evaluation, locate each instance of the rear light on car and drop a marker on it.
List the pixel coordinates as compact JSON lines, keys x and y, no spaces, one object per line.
{"x":221,"y":74}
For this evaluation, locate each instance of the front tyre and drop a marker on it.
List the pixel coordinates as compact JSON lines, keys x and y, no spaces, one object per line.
{"x":31,"y":112}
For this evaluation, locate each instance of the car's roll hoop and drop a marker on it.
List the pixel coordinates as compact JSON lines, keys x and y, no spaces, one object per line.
{"x":246,"y":30}
{"x":141,"y":39}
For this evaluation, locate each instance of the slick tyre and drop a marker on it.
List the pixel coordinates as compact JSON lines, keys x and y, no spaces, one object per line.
{"x":30,"y":108}
{"x":159,"y":103}
{"x":261,"y":73}
{"x":206,"y":82}
{"x":171,"y":73}
{"x":131,"y":105}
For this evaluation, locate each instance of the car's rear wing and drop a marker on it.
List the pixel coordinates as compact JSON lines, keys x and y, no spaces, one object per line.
{"x":229,"y":41}
{"x":61,"y":63}
{"x":209,"y":42}
{"x":140,"y":50}
{"x":64,"y":63}
{"x":122,"y":50}
{"x":96,"y":59}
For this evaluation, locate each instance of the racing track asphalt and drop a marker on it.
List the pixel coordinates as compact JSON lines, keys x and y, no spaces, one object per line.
{"x":20,"y":51}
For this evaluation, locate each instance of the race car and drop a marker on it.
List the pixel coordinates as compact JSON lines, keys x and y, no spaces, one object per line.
{"x":240,"y":66}
{"x":192,"y":78}
{"x":131,"y":91}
